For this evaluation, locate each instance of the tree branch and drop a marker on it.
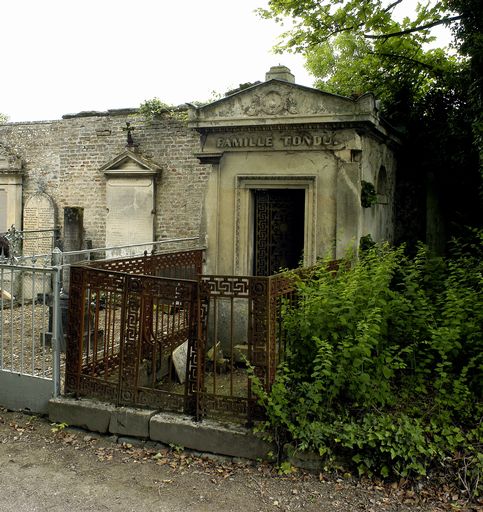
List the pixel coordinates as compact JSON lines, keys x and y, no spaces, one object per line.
{"x":390,"y":6}
{"x":409,"y":59}
{"x":415,"y":29}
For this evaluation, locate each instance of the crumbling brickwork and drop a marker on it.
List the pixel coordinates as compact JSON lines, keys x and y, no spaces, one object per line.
{"x":63,"y":158}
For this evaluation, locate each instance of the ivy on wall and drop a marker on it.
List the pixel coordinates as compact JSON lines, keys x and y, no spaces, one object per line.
{"x":368,"y":194}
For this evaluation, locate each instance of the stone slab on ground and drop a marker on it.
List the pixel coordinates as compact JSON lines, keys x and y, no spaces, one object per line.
{"x":208,"y":436}
{"x":4,"y":295}
{"x":128,"y":421}
{"x":89,"y":414}
{"x":180,"y":359}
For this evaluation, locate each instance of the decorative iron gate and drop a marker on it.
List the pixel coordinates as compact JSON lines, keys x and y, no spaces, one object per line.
{"x":279,"y":230}
{"x":128,"y":332}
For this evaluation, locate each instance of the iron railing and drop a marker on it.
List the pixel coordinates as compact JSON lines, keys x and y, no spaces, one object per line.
{"x":126,"y":326}
{"x":243,"y":334}
{"x":153,"y":332}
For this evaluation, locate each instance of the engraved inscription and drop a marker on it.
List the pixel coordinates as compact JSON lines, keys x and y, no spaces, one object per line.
{"x":326,"y":139}
{"x":130,"y":205}
{"x":301,"y":140}
{"x":38,"y":213}
{"x":244,"y":142}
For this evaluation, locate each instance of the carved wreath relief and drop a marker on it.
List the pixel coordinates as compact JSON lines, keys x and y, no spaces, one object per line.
{"x":271,"y":103}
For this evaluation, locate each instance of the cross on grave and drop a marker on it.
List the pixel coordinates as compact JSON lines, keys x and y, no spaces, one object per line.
{"x":129,"y":129}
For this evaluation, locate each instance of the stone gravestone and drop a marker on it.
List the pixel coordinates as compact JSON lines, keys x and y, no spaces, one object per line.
{"x":38,"y":214}
{"x":3,"y":210}
{"x":180,"y":360}
{"x":73,"y":240}
{"x":73,"y":228}
{"x":130,"y":193}
{"x":130,"y":203}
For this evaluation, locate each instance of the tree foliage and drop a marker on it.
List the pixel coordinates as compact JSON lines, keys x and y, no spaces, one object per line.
{"x":3,"y":118}
{"x":316,"y":22}
{"x":431,"y":95}
{"x":469,"y":34}
{"x":353,"y":47}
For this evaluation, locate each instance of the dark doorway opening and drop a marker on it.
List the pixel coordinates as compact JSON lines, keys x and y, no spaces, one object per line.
{"x":279,"y":230}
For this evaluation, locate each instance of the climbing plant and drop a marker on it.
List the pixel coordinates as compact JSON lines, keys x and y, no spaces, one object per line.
{"x":368,"y":194}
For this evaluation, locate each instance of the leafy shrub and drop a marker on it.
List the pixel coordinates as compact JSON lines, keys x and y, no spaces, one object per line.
{"x":384,"y":364}
{"x":155,"y":108}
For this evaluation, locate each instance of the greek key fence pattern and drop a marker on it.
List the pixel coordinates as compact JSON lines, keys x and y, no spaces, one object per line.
{"x":136,"y":337}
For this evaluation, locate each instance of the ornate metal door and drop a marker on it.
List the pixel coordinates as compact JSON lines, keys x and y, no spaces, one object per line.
{"x":279,"y":229}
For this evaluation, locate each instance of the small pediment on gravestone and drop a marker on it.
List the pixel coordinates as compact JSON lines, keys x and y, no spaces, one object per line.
{"x":129,"y":163}
{"x":38,"y":224}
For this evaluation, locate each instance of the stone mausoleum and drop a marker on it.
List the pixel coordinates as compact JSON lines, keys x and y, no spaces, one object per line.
{"x":268,"y":176}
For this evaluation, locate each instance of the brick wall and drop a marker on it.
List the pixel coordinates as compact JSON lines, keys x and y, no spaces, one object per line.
{"x":63,"y":159}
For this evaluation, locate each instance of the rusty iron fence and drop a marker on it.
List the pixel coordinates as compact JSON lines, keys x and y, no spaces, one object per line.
{"x":125,"y":322}
{"x":242,"y":329}
{"x":153,"y":332}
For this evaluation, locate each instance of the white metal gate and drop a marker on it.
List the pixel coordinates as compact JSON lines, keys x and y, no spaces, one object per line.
{"x":29,"y":336}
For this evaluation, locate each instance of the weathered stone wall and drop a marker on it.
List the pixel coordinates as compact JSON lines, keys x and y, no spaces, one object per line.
{"x":379,"y":168}
{"x":63,"y":158}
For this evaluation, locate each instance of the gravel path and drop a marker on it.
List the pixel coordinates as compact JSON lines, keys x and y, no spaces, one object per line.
{"x":72,"y":470}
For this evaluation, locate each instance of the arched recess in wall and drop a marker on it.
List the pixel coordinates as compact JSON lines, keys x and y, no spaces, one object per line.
{"x":382,"y":187}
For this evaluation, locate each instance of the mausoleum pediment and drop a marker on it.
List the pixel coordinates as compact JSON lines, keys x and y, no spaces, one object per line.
{"x":9,"y":162}
{"x":280,"y":102}
{"x":129,"y":163}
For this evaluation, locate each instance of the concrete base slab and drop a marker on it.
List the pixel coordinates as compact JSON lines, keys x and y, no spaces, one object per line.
{"x":205,"y":436}
{"x":208,"y":436}
{"x":84,"y":413}
{"x":25,"y":392}
{"x":127,"y":421}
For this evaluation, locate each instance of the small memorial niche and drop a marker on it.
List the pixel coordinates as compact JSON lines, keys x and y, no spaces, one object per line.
{"x":130,"y":201}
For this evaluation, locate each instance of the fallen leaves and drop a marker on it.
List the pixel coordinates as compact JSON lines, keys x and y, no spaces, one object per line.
{"x":288,"y":492}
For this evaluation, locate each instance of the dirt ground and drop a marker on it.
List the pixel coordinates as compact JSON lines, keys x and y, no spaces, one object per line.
{"x":44,"y":467}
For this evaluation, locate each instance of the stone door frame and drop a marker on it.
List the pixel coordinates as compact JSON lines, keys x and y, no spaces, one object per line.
{"x":244,"y":215}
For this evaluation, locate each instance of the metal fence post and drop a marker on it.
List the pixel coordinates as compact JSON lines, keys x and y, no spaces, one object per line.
{"x":56,"y":318}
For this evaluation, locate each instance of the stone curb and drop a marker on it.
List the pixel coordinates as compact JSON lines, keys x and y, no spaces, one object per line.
{"x":127,"y":421}
{"x":87,"y":414}
{"x":206,"y":436}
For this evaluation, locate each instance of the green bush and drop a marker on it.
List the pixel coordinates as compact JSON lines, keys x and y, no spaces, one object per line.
{"x":384,"y":364}
{"x":155,"y":109}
